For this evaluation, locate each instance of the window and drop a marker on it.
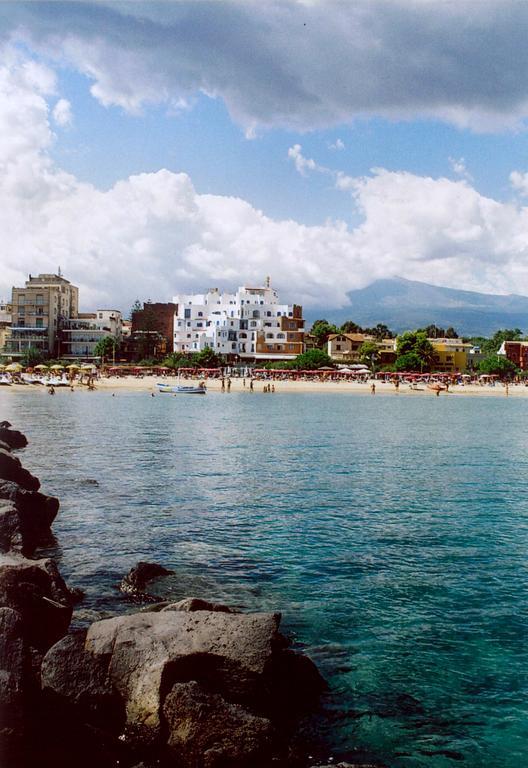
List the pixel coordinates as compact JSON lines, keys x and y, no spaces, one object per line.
{"x":199,"y":325}
{"x":280,"y":336}
{"x":338,"y":347}
{"x":21,"y":322}
{"x":39,"y":300}
{"x":233,"y":346}
{"x":187,"y":313}
{"x":200,"y":314}
{"x":38,"y":322}
{"x":269,"y":335}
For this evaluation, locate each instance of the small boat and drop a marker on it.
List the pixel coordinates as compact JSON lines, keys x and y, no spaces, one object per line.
{"x":170,"y":390}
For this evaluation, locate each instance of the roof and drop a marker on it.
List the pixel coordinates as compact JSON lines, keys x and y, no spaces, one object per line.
{"x":352,"y":336}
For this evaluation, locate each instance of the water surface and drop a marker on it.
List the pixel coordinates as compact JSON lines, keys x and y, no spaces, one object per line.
{"x":392,"y":533}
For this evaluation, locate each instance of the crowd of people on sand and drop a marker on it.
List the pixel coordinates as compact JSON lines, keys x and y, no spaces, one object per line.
{"x":265,"y":380}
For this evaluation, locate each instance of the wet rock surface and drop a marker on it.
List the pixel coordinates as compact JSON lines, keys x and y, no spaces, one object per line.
{"x":134,"y":584}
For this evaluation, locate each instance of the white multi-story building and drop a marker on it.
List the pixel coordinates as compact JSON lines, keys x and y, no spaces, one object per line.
{"x":247,"y":324}
{"x":79,"y":335}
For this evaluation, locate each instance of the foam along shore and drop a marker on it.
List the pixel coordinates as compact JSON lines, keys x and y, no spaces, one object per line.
{"x":149,"y":384}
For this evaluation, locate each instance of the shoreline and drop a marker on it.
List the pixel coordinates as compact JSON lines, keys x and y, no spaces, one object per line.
{"x":148,"y":384}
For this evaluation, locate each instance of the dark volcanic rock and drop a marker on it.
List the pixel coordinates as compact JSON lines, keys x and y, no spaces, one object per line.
{"x":31,"y":525}
{"x":195,"y":680}
{"x":189,"y":604}
{"x":134,"y":584}
{"x":37,"y":591}
{"x":10,"y":528}
{"x":82,"y":678}
{"x":205,"y":731}
{"x":12,"y":469}
{"x":12,"y":437}
{"x":12,"y":680}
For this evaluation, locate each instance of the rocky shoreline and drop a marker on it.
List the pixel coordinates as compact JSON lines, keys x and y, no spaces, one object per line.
{"x":192,"y":684}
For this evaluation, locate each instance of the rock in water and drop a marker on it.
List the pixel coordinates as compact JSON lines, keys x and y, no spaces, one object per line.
{"x":134,"y":584}
{"x":199,"y":680}
{"x":12,"y":469}
{"x":12,"y":437}
{"x":190,"y":604}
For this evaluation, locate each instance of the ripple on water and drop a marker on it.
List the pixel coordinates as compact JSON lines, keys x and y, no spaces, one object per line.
{"x":392,"y":532}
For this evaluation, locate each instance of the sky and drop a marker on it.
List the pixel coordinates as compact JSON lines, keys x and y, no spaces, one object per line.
{"x":150,"y":149}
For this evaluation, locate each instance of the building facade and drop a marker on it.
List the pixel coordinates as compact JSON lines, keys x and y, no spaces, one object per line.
{"x":39,"y":311}
{"x":344,"y":347}
{"x":247,"y":324}
{"x":516,"y":352}
{"x":5,"y":322}
{"x":79,"y":335}
{"x":451,"y":355}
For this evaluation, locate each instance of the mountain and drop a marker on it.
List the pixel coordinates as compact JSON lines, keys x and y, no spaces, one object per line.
{"x":406,"y":304}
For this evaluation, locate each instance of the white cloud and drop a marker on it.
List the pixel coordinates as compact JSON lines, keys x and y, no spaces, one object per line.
{"x":153,"y":234}
{"x":62,"y":113}
{"x":338,"y":145}
{"x":459,"y":167}
{"x":519,"y":182}
{"x":295,"y":64}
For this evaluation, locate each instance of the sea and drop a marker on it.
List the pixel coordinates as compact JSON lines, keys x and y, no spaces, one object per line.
{"x":390,"y":531}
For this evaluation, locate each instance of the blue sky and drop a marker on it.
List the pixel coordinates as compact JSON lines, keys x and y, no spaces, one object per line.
{"x":151,"y":148}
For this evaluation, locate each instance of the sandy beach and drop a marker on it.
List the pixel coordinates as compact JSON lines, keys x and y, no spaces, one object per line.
{"x":148,"y":384}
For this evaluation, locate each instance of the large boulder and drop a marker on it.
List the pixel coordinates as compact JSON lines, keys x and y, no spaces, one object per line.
{"x":205,"y":731}
{"x":31,"y":523}
{"x":134,"y":584}
{"x":12,"y":681}
{"x":12,"y":437}
{"x":10,"y":527}
{"x":36,"y":590}
{"x":190,"y":604}
{"x":234,"y":661}
{"x":12,"y":469}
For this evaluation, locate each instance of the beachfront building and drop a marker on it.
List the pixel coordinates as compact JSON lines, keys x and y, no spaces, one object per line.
{"x":451,"y":355}
{"x":249,"y":324}
{"x":517,"y":352}
{"x":39,"y":310}
{"x":79,"y":335}
{"x":155,"y":317}
{"x":5,"y":322}
{"x":344,"y":347}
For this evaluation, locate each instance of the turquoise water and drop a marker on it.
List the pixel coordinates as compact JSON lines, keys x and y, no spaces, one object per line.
{"x":391,"y":531}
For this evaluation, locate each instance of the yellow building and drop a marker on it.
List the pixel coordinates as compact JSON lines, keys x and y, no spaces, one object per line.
{"x":451,"y":355}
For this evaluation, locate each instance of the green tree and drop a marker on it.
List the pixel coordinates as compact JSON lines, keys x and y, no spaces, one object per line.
{"x":106,"y":347}
{"x":31,"y":358}
{"x":409,"y":361}
{"x":492,"y":346}
{"x":369,"y":354}
{"x":498,"y":366}
{"x":312,"y":359}
{"x":136,"y":307}
{"x":176,"y":360}
{"x":380,"y":331}
{"x":322,"y":329}
{"x":349,"y":326}
{"x":207,"y":358}
{"x":417,"y":343}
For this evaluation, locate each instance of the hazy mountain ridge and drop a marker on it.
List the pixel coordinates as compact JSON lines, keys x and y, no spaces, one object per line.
{"x":405,"y":304}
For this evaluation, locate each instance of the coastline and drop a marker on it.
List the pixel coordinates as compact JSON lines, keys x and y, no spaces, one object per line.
{"x":148,"y":384}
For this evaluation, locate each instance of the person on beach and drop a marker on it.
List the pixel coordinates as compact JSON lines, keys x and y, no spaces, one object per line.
{"x":244,"y":382}
{"x":223,"y":384}
{"x":251,"y":385}
{"x":229,"y":384}
{"x":51,"y":389}
{"x":372,"y":389}
{"x":273,"y":387}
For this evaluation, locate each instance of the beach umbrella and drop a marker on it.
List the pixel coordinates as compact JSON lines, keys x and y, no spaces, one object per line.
{"x":41,"y":367}
{"x":57,"y":367}
{"x":13,"y":367}
{"x":2,"y":366}
{"x":73,"y":367}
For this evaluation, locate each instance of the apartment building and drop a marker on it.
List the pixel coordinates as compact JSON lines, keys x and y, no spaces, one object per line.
{"x":517,"y":352}
{"x":451,"y":355}
{"x":39,"y":310}
{"x":79,"y":335}
{"x":247,"y":324}
{"x":5,"y":322}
